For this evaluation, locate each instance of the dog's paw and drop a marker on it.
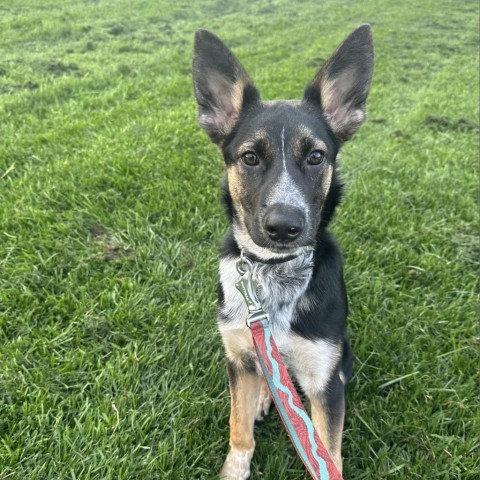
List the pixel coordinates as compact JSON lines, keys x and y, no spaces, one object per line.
{"x":263,"y":403}
{"x":237,"y":465}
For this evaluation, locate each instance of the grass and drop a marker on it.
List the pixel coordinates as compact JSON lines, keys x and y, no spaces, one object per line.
{"x":110,"y":364}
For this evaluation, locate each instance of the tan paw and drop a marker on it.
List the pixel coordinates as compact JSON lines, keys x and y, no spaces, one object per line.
{"x":237,"y":465}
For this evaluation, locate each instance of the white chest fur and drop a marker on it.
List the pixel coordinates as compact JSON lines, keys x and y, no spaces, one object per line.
{"x":282,"y":286}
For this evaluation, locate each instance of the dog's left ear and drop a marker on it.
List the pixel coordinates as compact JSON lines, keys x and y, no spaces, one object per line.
{"x":341,"y":86}
{"x":222,"y":87}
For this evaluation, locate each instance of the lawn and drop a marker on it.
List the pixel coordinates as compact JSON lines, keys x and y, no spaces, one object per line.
{"x":110,"y":364}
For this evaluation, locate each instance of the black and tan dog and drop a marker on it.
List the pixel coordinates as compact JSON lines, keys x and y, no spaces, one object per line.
{"x":281,"y":190}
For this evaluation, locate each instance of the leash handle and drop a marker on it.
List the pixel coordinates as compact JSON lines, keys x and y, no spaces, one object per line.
{"x":299,"y":427}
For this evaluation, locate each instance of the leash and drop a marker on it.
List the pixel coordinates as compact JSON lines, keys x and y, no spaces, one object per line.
{"x":299,"y":427}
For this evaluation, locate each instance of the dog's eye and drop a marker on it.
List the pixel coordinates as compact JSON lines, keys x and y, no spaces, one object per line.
{"x":316,"y":157}
{"x":250,"y":159}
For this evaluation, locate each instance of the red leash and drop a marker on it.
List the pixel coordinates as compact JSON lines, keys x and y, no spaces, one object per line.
{"x":299,"y":427}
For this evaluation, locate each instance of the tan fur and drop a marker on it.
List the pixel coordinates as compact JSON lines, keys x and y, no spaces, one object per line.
{"x":331,"y":91}
{"x":327,"y":178}
{"x":250,"y":144}
{"x":224,"y":115}
{"x":237,"y":342}
{"x":304,"y":133}
{"x":235,"y":182}
{"x":342,"y":118}
{"x":219,"y":82}
{"x":331,"y":437}
{"x":244,"y":393}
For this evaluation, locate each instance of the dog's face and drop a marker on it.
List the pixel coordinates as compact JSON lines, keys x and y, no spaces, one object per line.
{"x":280,"y":161}
{"x":281,"y":156}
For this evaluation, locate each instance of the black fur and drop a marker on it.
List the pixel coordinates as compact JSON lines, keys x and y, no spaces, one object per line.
{"x":326,"y":319}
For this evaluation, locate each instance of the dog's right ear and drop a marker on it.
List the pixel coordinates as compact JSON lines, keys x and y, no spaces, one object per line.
{"x":222,"y":87}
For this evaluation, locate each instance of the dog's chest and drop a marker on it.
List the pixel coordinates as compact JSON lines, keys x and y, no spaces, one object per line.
{"x":282,"y":286}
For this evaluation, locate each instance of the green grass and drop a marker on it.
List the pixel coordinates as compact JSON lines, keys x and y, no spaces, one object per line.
{"x":110,"y":364}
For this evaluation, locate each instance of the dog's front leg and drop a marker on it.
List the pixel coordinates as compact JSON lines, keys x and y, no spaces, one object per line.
{"x":244,"y":391}
{"x":328,"y":411}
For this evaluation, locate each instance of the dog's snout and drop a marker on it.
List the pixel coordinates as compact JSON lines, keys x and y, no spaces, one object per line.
{"x":283,"y":224}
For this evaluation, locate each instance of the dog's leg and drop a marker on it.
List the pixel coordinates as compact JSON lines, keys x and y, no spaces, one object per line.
{"x":328,"y":411}
{"x":244,"y":391}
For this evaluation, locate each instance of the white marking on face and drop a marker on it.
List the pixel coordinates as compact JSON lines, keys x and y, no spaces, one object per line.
{"x":283,"y":148}
{"x":285,"y":191}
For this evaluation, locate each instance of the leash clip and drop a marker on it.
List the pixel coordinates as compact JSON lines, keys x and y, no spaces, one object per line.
{"x":250,"y":289}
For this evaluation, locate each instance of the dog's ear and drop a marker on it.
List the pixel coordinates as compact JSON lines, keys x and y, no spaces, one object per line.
{"x":341,"y":86}
{"x":222,"y":87}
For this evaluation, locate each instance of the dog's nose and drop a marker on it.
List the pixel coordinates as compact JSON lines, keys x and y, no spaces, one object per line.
{"x":283,"y":224}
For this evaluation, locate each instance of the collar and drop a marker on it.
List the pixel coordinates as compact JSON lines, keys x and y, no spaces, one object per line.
{"x":269,"y":261}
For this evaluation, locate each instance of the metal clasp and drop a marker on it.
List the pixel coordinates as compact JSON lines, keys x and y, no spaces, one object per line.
{"x":249,"y":287}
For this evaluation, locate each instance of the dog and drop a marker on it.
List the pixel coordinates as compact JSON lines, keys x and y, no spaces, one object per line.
{"x":281,"y":189}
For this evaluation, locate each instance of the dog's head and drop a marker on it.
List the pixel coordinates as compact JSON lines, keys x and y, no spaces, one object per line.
{"x":282,"y":184}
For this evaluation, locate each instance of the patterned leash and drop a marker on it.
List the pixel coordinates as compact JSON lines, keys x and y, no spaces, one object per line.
{"x":299,"y":427}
